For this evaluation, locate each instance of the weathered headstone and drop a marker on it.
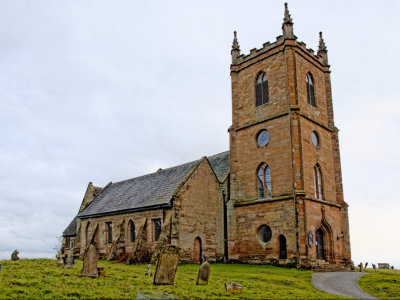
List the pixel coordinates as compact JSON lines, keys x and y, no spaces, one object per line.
{"x":204,"y":274}
{"x":233,"y":287}
{"x":14,"y":255}
{"x":374,"y":266}
{"x":69,"y":261}
{"x":167,"y":265}
{"x":366,"y":264}
{"x":361,"y":266}
{"x":149,"y":273}
{"x":383,"y":266}
{"x":90,"y":259}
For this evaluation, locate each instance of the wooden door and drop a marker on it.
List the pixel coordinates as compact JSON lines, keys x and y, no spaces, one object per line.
{"x":282,"y":247}
{"x":197,"y":251}
{"x":320,"y":244}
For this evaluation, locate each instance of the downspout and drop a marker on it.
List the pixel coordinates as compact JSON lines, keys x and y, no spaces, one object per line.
{"x":225,"y":228}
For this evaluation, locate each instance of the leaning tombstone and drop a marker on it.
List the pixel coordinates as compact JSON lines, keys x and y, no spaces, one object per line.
{"x":90,"y":259}
{"x":204,"y":274}
{"x":361,"y":266}
{"x":166,"y":265}
{"x":374,"y":266}
{"x":69,"y":261}
{"x":14,"y":255}
{"x":233,"y":287}
{"x":149,"y":273}
{"x":366,"y":264}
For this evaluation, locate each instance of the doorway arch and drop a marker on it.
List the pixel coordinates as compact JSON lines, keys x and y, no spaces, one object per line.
{"x":197,"y":251}
{"x":282,"y":247}
{"x":324,"y":241}
{"x":319,"y":241}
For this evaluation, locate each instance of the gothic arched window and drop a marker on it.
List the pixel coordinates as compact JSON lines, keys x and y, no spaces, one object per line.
{"x":310,"y":89}
{"x":262,"y":89}
{"x":264,"y":182}
{"x":318,"y":190}
{"x":132,"y":233}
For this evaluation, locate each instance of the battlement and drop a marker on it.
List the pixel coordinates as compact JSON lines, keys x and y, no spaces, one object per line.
{"x":288,"y":38}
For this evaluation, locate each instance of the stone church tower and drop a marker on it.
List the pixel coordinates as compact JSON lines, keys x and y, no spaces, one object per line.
{"x":286,"y":199}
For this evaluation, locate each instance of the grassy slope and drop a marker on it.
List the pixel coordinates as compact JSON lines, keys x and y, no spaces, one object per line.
{"x":383,"y":284}
{"x":41,"y":278}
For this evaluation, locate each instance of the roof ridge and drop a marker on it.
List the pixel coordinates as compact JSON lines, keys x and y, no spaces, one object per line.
{"x":157,"y":172}
{"x":218,"y":153}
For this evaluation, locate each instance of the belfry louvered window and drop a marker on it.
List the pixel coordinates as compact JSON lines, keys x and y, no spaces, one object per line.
{"x":262,"y":89}
{"x":264,"y":182}
{"x":318,"y":191}
{"x":310,"y":89}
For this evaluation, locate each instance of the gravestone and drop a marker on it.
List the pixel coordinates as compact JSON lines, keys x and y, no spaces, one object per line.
{"x":149,"y":273}
{"x":361,"y":266}
{"x":90,"y":259}
{"x":167,"y":265}
{"x":374,"y":266}
{"x":233,"y":287}
{"x":383,"y":266}
{"x":366,"y":264}
{"x":14,"y":255}
{"x":69,"y":261}
{"x":204,"y":274}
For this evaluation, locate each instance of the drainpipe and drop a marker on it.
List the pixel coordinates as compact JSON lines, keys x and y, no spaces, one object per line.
{"x":225,"y":229}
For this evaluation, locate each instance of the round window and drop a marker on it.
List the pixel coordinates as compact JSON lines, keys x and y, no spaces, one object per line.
{"x":264,"y":233}
{"x":315,"y":138}
{"x":263,"y":138}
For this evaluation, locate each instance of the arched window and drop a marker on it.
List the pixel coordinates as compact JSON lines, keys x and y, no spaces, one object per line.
{"x":282,"y":247}
{"x":109,"y":226}
{"x":310,"y":89}
{"x":264,"y":182}
{"x":262,"y":89}
{"x":318,"y":191}
{"x":87,"y":237}
{"x":132,"y":233}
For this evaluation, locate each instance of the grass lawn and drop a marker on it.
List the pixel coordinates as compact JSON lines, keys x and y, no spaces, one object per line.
{"x":381,"y":283}
{"x":41,"y":278}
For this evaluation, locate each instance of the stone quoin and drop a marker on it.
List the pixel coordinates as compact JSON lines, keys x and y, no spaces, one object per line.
{"x":275,"y":197}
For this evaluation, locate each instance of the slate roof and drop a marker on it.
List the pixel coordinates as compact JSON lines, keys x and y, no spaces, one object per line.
{"x":220,"y":164}
{"x":149,"y":191}
{"x":71,"y":229}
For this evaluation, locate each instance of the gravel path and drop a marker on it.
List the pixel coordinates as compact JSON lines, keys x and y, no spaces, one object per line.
{"x":340,"y":283}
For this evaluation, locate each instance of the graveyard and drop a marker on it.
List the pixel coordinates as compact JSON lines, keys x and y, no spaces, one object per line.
{"x":43,"y":278}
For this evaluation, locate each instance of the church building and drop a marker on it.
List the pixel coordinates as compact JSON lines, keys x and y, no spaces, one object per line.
{"x":275,"y":197}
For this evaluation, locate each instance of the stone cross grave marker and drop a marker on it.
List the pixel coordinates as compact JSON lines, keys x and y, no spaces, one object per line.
{"x":167,"y":265}
{"x":90,"y":259}
{"x":204,"y":274}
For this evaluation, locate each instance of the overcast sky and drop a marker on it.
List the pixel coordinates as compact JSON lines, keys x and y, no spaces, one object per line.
{"x":108,"y":90}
